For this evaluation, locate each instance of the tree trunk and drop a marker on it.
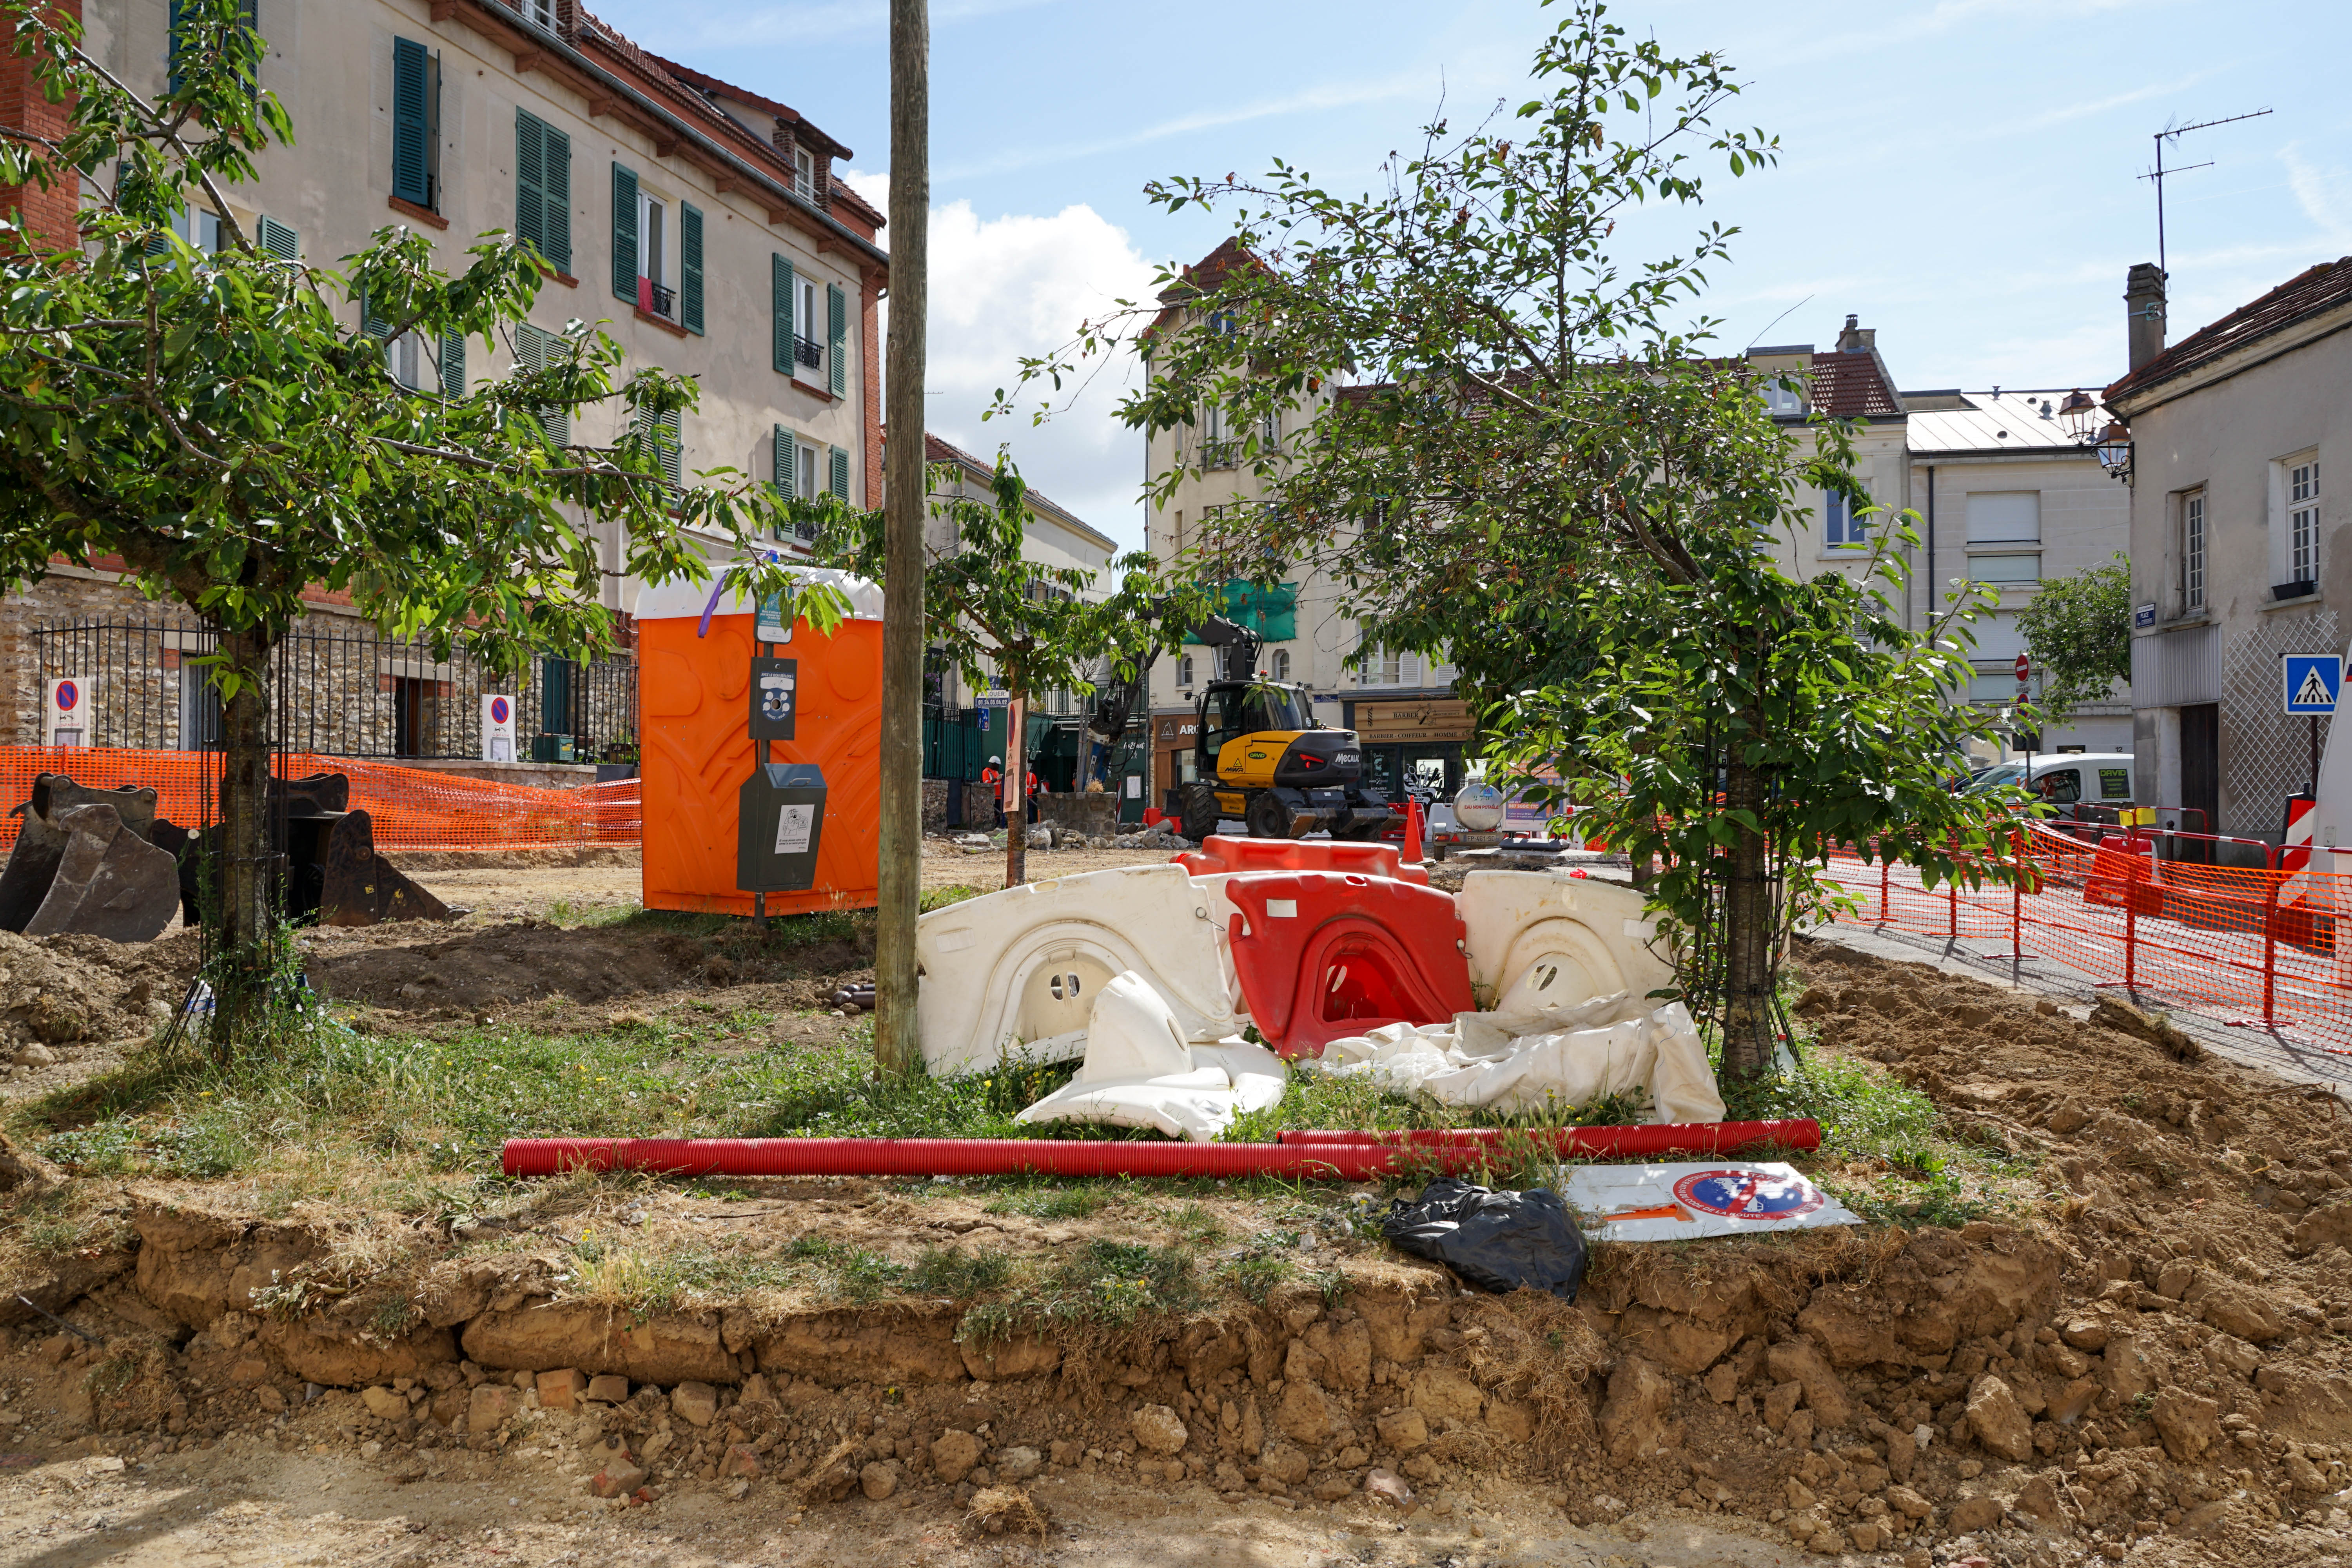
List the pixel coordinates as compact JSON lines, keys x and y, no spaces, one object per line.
{"x":1750,"y":930}
{"x":245,"y":867}
{"x":1017,"y":789}
{"x":897,"y":1042}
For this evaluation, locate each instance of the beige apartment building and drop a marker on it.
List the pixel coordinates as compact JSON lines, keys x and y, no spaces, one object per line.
{"x":2009,"y":487}
{"x":700,"y":222}
{"x":2236,"y":549}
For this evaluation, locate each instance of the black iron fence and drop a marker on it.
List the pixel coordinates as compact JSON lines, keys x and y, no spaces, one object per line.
{"x":339,"y":693}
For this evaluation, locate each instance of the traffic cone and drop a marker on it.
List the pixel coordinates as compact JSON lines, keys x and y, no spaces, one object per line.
{"x":1411,"y":832}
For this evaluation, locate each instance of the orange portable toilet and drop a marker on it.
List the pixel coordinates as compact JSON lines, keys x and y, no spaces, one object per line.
{"x":695,"y":753}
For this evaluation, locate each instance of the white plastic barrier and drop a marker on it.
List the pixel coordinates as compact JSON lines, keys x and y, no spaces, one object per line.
{"x":1538,"y":939}
{"x":1140,"y":1072}
{"x":1022,"y":967}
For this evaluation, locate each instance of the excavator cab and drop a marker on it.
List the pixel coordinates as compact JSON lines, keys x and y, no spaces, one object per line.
{"x":1264,"y":760}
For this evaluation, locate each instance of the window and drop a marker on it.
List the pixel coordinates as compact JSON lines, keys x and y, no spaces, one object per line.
{"x":406,"y":357}
{"x":804,"y":172}
{"x":653,"y":292}
{"x":199,"y":707}
{"x":2302,"y":522}
{"x":416,"y":116}
{"x":2023,"y":568}
{"x":248,"y":16}
{"x":807,"y":350}
{"x":1216,"y":446}
{"x":663,"y":437}
{"x":543,"y":13}
{"x":2061,"y":787}
{"x":1184,"y":670}
{"x":1843,"y":526}
{"x":2005,"y":517}
{"x":1780,"y":399}
{"x":1269,"y":432}
{"x":200,"y":228}
{"x":1386,"y":667}
{"x":536,"y":350}
{"x":1281,"y":665}
{"x":543,"y":189}
{"x":2192,"y":550}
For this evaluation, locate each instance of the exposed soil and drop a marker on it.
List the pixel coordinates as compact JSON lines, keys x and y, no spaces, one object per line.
{"x":2148,"y":1360}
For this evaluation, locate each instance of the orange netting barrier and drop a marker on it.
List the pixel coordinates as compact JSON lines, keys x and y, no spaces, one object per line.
{"x":411,"y":808}
{"x":2242,"y":944}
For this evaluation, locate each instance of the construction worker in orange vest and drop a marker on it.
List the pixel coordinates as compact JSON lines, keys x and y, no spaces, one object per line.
{"x":993,"y":776}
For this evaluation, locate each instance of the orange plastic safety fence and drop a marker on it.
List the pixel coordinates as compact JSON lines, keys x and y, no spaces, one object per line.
{"x":2244,"y":945}
{"x":411,"y":808}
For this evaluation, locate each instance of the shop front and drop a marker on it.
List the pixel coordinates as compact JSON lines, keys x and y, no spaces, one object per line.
{"x":1173,"y":762}
{"x":1413,"y":745}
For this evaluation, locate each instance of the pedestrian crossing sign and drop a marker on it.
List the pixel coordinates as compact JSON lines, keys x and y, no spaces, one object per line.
{"x":2311,"y":680}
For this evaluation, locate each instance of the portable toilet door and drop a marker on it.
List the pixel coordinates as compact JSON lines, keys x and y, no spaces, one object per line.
{"x":696,"y":750}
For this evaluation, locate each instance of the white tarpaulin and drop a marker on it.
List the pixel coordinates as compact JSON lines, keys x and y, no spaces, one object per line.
{"x":1708,"y":1197}
{"x":1140,"y":1072}
{"x":1552,"y":1057}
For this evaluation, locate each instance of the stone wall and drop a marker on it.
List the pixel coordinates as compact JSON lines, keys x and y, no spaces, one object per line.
{"x":1095,"y":815}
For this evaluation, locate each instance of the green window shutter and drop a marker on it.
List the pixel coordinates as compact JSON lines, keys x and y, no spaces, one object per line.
{"x":624,"y":234}
{"x":780,"y":282}
{"x":689,"y":279}
{"x":841,"y":473}
{"x":673,"y":448}
{"x":836,"y":310}
{"x":534,"y":351}
{"x":172,"y":52}
{"x":530,"y":180}
{"x":278,"y":240}
{"x":557,"y":246}
{"x":784,"y":462}
{"x":452,"y":364}
{"x":409,"y":121}
{"x":371,"y":323}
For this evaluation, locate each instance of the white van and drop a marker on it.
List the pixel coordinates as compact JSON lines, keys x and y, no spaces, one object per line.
{"x":2067,"y":778}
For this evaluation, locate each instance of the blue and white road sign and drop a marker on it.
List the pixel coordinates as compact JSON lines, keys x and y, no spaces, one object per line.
{"x":2310,"y":681}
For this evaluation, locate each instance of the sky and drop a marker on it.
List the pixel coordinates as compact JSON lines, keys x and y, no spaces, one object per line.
{"x":1963,"y":175}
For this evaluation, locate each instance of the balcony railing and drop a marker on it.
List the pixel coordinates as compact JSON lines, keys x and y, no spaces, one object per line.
{"x":656,"y":299}
{"x":1220,"y":453}
{"x":809,"y":351}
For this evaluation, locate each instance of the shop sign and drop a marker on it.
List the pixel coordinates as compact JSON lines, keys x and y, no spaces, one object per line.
{"x":1437,"y":719}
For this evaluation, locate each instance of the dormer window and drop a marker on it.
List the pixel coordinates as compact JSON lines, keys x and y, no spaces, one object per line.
{"x":804,"y":172}
{"x":1780,"y":399}
{"x":543,"y":13}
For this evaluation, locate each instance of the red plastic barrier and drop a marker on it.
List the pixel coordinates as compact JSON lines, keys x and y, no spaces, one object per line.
{"x":1322,"y":955}
{"x":952,"y":1157}
{"x":1220,"y":855}
{"x":1703,"y":1139}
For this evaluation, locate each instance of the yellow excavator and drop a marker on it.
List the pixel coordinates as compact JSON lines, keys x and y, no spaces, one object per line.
{"x":1260,"y":756}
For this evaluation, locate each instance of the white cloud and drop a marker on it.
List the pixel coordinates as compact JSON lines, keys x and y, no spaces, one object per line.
{"x":2325,"y":193}
{"x":1019,"y":284}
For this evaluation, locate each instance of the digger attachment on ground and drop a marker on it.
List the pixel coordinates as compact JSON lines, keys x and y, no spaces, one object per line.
{"x":335,"y":854}
{"x":85,"y":861}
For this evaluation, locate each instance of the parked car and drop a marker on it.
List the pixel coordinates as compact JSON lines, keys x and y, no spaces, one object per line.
{"x":2086,"y":788}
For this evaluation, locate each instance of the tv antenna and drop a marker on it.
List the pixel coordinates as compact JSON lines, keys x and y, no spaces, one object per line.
{"x":2156,"y":177}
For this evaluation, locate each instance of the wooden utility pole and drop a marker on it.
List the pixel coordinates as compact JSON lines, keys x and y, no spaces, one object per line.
{"x":896,"y":1042}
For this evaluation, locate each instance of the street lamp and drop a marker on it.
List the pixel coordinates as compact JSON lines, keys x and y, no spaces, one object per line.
{"x":2114,"y":450}
{"x":2081,"y":412}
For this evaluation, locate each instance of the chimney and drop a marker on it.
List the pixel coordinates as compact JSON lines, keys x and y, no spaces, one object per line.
{"x":1856,"y":339}
{"x":2144,"y":312}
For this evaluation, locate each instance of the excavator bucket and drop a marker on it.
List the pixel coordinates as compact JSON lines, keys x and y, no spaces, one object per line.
{"x":109,"y":881}
{"x":42,"y":841}
{"x":358,"y":887}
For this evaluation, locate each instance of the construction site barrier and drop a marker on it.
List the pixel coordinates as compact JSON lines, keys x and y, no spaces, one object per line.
{"x":411,"y":808}
{"x":2252,"y":946}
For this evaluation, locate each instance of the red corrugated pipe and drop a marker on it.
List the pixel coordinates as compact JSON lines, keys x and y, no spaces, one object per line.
{"x":1345,"y":1157}
{"x":1702,"y":1139}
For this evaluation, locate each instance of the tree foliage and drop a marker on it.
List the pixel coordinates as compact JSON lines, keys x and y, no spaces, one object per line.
{"x":1004,"y":620}
{"x":1535,"y":469}
{"x":2078,"y":632}
{"x":224,"y":424}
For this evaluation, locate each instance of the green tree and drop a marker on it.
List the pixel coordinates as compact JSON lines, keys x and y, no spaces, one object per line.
{"x":1018,"y":623}
{"x":2078,"y":631}
{"x":1538,"y":443}
{"x":227,"y":426}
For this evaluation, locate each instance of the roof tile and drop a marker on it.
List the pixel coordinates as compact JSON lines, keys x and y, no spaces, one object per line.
{"x":2308,"y":293}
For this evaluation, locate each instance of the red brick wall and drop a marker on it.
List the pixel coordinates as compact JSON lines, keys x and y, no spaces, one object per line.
{"x":49,"y":214}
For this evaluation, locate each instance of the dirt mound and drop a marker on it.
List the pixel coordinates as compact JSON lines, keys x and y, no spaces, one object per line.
{"x":62,"y":993}
{"x":547,"y":856}
{"x":420,"y":970}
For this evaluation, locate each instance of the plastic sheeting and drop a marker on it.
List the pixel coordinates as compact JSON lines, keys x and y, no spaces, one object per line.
{"x":1709,"y":1197}
{"x":1553,"y":1056}
{"x":1139,"y":1072}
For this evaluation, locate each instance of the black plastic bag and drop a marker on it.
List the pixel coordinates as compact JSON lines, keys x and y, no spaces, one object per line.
{"x":1495,"y":1241}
